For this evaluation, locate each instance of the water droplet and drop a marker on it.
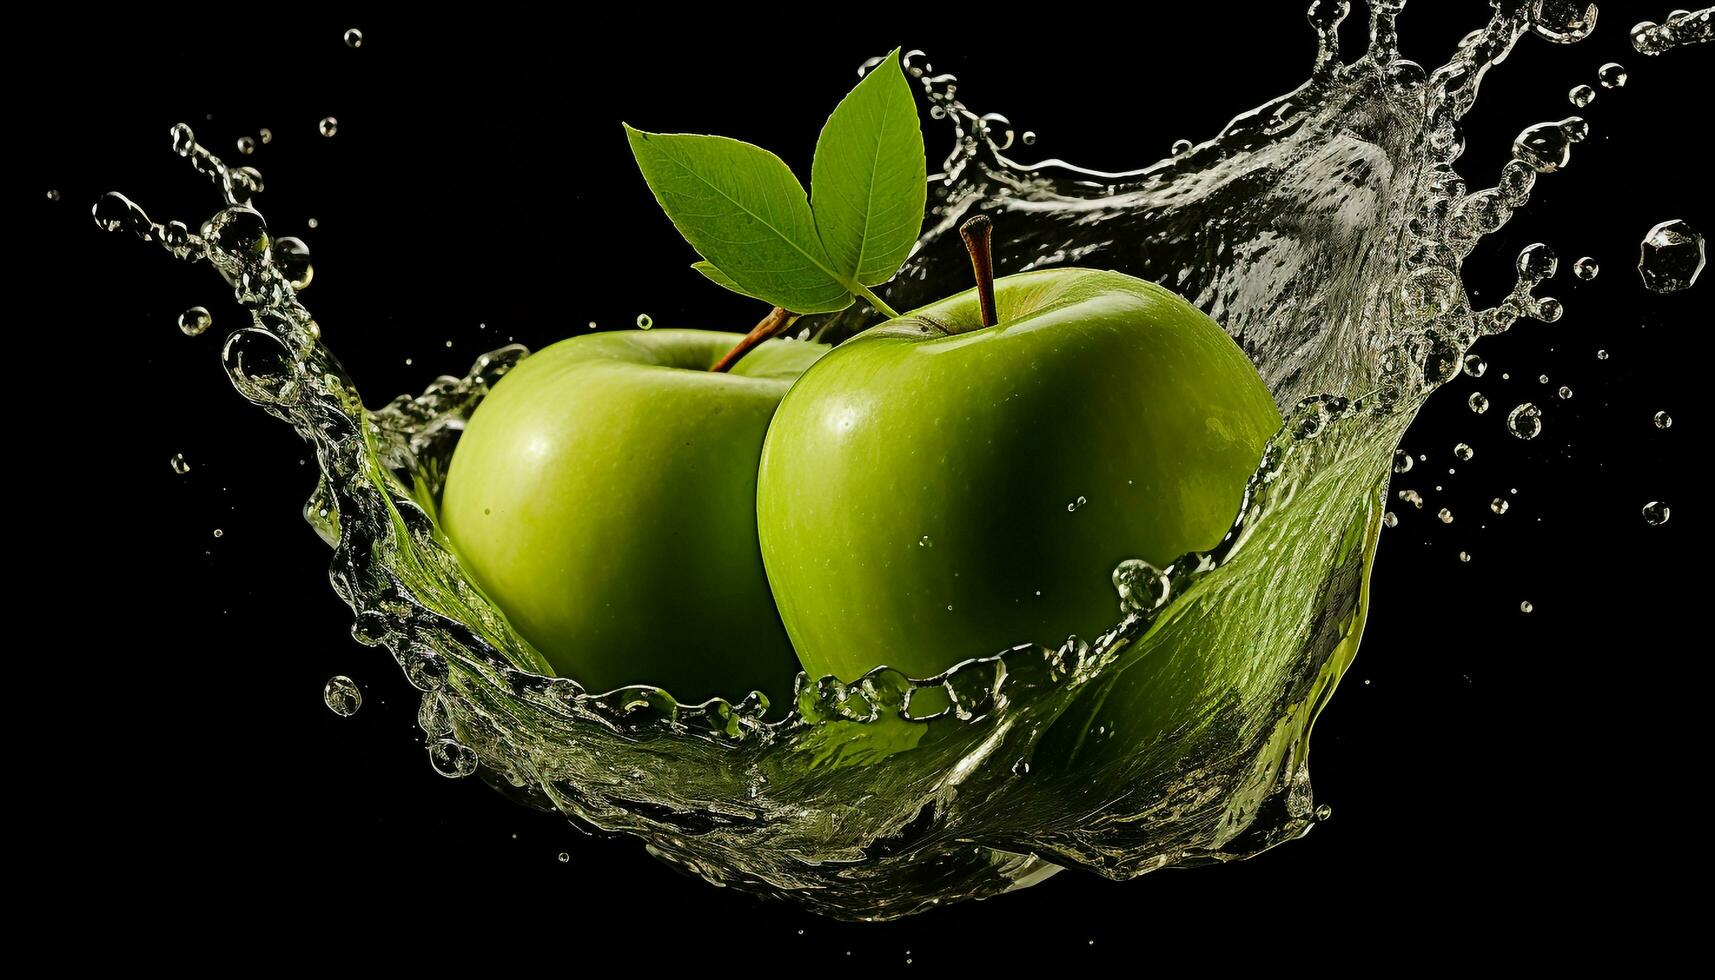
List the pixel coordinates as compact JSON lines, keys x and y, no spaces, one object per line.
{"x":1663,"y":420}
{"x":1390,"y":519}
{"x":1581,"y":95}
{"x":354,"y":38}
{"x":1029,"y":138}
{"x":1180,"y":146}
{"x":1525,"y":421}
{"x":181,"y":466}
{"x":425,"y":669}
{"x":1564,"y":392}
{"x":1324,"y":812}
{"x":1536,"y":263}
{"x":1546,"y":147}
{"x":1650,"y":38}
{"x":565,"y":858}
{"x":1412,"y":497}
{"x":184,"y":141}
{"x":1601,"y":355}
{"x":53,"y":195}
{"x":259,"y":366}
{"x":1444,"y":515}
{"x":1478,"y":401}
{"x":246,"y":145}
{"x":194,"y":321}
{"x":1542,"y":379}
{"x":1526,"y":607}
{"x":329,"y":126}
{"x":1656,"y":513}
{"x":1671,"y":257}
{"x":266,"y":135}
{"x":312,"y":224}
{"x":924,"y":542}
{"x":342,"y":696}
{"x":1402,"y":461}
{"x":451,"y":759}
{"x":292,"y":257}
{"x":1548,"y":310}
{"x":219,"y":533}
{"x":1586,"y":268}
{"x":1562,"y":21}
{"x":1074,"y":505}
{"x":1464,"y":452}
{"x":1499,"y":505}
{"x":1141,"y":586}
{"x":644,"y":321}
{"x":1612,"y":75}
{"x":1464,"y":556}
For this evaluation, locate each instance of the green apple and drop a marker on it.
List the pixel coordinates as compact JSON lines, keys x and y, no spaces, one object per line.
{"x":936,"y":489}
{"x":604,"y":497}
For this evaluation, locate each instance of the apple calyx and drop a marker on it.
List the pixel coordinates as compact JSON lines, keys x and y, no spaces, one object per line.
{"x":978,"y":233}
{"x":777,"y":320}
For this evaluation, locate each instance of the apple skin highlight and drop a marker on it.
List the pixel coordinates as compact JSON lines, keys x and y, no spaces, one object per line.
{"x":935,"y":490}
{"x":604,"y":497}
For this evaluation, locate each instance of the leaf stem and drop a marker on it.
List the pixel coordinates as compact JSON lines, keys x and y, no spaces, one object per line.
{"x":977,"y":234}
{"x":875,"y":301}
{"x":769,"y":326}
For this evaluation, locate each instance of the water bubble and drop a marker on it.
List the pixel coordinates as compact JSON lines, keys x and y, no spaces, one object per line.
{"x":292,"y":258}
{"x":1475,"y":366}
{"x":1074,"y":505}
{"x":328,"y":126}
{"x":246,"y":145}
{"x":1612,"y":75}
{"x":644,"y":321}
{"x":1478,"y":402}
{"x":1562,"y":21}
{"x":1464,"y":452}
{"x":179,"y":464}
{"x":194,"y":321}
{"x":1586,"y":268}
{"x":1499,"y":505}
{"x":1656,"y":513}
{"x":1663,"y":420}
{"x":259,"y":366}
{"x":1444,"y":515}
{"x":1141,"y":586}
{"x":451,"y":759}
{"x":1581,"y":95}
{"x":1180,"y":146}
{"x":266,"y":135}
{"x":1564,"y":392}
{"x":1536,"y":263}
{"x":1525,"y":421}
{"x":1390,"y":519}
{"x":342,"y":696}
{"x":1526,"y":607}
{"x":1402,"y":461}
{"x":353,"y":38}
{"x":1671,"y":257}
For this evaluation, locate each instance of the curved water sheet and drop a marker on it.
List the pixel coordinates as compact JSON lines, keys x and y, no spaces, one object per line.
{"x":1324,"y":230}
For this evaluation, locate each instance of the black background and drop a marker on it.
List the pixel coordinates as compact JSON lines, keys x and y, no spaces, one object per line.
{"x":1492,"y":774}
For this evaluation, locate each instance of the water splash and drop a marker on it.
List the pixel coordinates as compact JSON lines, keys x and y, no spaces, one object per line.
{"x":1324,"y":230}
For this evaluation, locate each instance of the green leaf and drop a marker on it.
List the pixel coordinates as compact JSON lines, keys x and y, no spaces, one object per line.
{"x":869,"y":183}
{"x":719,"y":278}
{"x":740,"y":207}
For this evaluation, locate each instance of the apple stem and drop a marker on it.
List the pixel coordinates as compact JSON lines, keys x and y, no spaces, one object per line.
{"x":977,"y":234}
{"x":777,"y":320}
